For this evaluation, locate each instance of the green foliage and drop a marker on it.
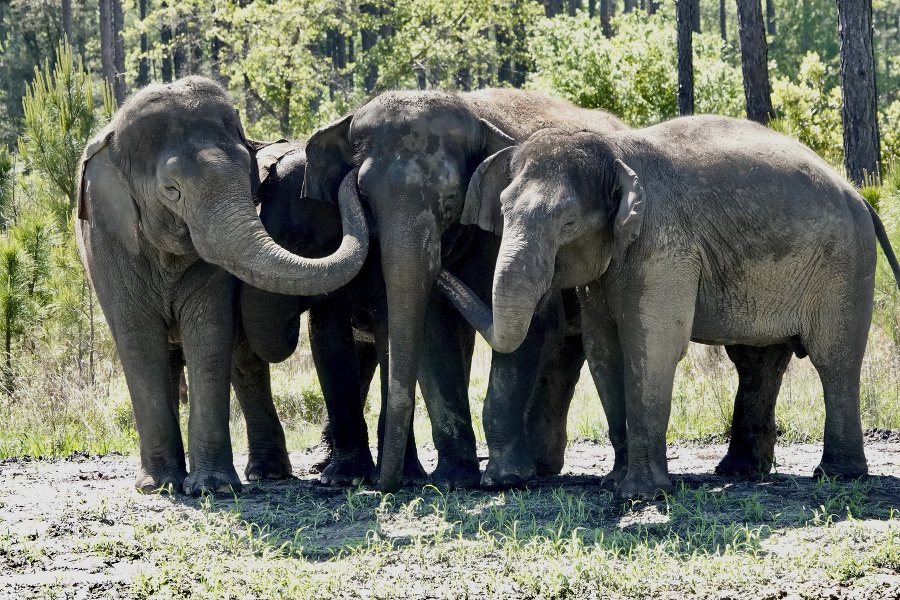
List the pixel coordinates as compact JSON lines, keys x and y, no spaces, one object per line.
{"x":59,"y":121}
{"x":633,"y":73}
{"x":810,"y":111}
{"x":804,"y":26}
{"x":890,"y":135}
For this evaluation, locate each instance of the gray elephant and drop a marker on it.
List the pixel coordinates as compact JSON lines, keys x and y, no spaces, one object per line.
{"x":346,"y":327}
{"x":707,"y":228}
{"x":165,"y":223}
{"x":415,"y":153}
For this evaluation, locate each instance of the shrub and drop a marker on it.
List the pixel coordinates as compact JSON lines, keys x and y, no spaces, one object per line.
{"x":633,"y":73}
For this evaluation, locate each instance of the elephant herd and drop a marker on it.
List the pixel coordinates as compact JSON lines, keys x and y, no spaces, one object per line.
{"x":556,"y":232}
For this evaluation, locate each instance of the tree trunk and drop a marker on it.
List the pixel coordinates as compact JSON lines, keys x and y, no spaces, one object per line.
{"x":651,"y":7}
{"x":66,"y":21}
{"x":605,"y":18}
{"x":770,"y":17}
{"x":695,"y":18}
{"x":143,"y":76}
{"x":630,"y":5}
{"x":684,"y":18}
{"x":552,"y":7}
{"x":754,"y":61}
{"x":723,"y":31}
{"x":118,"y":39}
{"x":573,"y":6}
{"x":592,"y":11}
{"x":862,"y":146}
{"x":369,"y":39}
{"x":107,"y":48}
{"x":215,"y":57}
{"x":165,"y":38}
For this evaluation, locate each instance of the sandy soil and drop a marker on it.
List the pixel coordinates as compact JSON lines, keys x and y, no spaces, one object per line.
{"x":52,"y":512}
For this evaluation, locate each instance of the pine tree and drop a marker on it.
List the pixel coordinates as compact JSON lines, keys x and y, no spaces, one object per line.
{"x":862,"y":145}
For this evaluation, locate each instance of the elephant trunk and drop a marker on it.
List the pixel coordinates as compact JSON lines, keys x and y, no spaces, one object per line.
{"x":238,"y":242}
{"x":515,"y":297}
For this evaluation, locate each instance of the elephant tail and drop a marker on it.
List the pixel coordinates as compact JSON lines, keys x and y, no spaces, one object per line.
{"x":885,"y":243}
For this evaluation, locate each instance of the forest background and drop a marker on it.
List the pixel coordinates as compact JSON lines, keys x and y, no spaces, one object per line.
{"x":293,"y":65}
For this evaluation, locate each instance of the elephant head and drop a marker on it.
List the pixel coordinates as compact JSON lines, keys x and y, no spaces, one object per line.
{"x":415,"y":153}
{"x":174,"y":170}
{"x":566,"y":207}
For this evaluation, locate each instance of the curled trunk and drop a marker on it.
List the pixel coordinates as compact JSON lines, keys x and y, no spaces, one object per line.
{"x":239,"y":243}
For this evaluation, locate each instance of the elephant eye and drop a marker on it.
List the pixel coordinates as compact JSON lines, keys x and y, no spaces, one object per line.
{"x":171,"y":192}
{"x":569,"y":226}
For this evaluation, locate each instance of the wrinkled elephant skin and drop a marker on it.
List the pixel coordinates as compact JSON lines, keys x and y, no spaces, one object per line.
{"x":708,"y":229}
{"x":415,"y":153}
{"x":165,"y":224}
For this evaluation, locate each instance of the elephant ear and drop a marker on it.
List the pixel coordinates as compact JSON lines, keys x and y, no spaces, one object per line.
{"x":482,"y":205}
{"x":268,"y":156}
{"x":104,"y":194}
{"x":630,"y":213}
{"x":329,"y":157}
{"x":495,"y":140}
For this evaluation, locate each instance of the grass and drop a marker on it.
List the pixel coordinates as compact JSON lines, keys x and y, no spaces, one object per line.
{"x":563,"y":542}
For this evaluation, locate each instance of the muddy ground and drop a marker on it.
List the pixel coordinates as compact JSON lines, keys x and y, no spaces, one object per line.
{"x":53,"y":512}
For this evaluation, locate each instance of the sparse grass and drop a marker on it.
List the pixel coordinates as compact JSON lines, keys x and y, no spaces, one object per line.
{"x":301,"y":542}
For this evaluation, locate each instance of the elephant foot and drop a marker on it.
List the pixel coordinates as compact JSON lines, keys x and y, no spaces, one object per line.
{"x":321,"y":457}
{"x":170,"y":481}
{"x":744,"y":465}
{"x":349,"y":471}
{"x":413,"y":474}
{"x":651,"y":486}
{"x":456,"y":475}
{"x":612,"y":479}
{"x":216,"y":482}
{"x":273,"y":464}
{"x":842,"y":470}
{"x":513,"y":469}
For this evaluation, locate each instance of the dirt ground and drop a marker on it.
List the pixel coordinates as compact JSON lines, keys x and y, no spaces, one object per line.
{"x":52,"y":513}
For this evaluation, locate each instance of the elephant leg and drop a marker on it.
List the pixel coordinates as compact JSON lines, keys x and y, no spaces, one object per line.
{"x":605,"y":360}
{"x":760,"y":370}
{"x":334,"y":353}
{"x":511,"y":385}
{"x":444,"y":379}
{"x":836,"y":347}
{"x":546,"y":421}
{"x":413,"y":471}
{"x":653,"y":340}
{"x":267,"y":448}
{"x":207,"y":313}
{"x":152,"y":369}
{"x":322,"y":452}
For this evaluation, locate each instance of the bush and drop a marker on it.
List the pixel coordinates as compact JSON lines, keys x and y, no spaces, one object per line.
{"x":632,"y":74}
{"x":807,"y":111}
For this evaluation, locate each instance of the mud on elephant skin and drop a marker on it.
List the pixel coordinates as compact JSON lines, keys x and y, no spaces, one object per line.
{"x":708,"y":229}
{"x":415,"y":153}
{"x":342,"y":324}
{"x":166,"y":224}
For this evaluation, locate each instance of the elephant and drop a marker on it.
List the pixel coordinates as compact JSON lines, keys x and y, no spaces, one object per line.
{"x":704,"y":228}
{"x":415,"y":152}
{"x":166,"y":225}
{"x":342,"y":324}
